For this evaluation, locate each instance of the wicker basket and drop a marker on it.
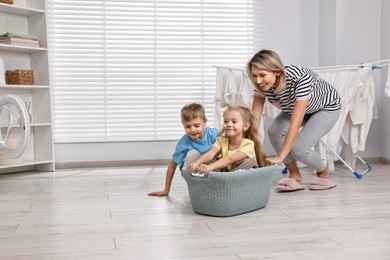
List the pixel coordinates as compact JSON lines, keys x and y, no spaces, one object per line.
{"x":7,"y":1}
{"x":19,"y":77}
{"x":226,"y":194}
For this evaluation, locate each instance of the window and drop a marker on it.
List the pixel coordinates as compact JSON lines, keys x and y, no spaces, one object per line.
{"x":121,"y":70}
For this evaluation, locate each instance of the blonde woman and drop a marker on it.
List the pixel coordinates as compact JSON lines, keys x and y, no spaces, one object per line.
{"x":309,"y":106}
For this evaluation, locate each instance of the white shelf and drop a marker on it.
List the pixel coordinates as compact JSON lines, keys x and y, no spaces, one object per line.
{"x":25,"y":11}
{"x":28,"y":17}
{"x":23,"y":87}
{"x":39,"y":124}
{"x":17,"y":48}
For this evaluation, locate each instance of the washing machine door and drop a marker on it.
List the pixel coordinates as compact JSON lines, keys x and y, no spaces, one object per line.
{"x":14,"y":125}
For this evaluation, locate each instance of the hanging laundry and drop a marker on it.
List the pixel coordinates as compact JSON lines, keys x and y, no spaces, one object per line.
{"x":387,"y":87}
{"x":346,"y":81}
{"x":357,"y":126}
{"x":357,"y":90}
{"x":233,"y":88}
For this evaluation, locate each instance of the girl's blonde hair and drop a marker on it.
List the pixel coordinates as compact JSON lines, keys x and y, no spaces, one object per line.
{"x":251,"y":133}
{"x":270,"y":61}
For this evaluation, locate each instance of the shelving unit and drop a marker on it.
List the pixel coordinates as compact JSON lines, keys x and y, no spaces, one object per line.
{"x":28,"y":17}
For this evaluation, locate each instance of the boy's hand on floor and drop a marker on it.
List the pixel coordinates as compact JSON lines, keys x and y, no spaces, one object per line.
{"x":158,"y":193}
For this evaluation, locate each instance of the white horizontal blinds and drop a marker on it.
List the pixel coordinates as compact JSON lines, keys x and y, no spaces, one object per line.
{"x":121,"y":70}
{"x":76,"y":33}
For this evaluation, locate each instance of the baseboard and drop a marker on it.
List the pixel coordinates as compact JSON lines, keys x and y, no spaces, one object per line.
{"x":384,"y":161}
{"x":102,"y":164}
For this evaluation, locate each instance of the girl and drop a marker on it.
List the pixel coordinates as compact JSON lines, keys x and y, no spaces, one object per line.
{"x":310,"y":108}
{"x":238,"y":145}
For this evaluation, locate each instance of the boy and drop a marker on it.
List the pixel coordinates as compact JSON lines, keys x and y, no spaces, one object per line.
{"x":197,"y":140}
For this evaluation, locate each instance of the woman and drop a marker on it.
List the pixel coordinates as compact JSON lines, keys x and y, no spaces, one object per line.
{"x":310,"y":107}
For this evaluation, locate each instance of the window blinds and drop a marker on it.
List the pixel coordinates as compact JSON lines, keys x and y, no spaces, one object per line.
{"x":121,"y":70}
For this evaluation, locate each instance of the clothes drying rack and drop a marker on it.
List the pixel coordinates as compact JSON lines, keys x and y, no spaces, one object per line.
{"x":380,"y":65}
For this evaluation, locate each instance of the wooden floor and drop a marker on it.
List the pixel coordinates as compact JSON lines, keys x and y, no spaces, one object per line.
{"x":105,"y":214}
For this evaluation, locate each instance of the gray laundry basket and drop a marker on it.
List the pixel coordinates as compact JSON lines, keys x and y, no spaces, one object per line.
{"x":226,"y":194}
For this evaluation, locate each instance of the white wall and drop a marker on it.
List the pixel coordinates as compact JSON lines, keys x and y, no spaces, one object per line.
{"x":120,"y":151}
{"x":307,"y":32}
{"x":326,"y":33}
{"x":384,"y":115}
{"x":357,"y":38}
{"x":291,"y":29}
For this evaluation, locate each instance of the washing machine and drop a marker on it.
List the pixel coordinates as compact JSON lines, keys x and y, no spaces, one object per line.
{"x":14,"y":125}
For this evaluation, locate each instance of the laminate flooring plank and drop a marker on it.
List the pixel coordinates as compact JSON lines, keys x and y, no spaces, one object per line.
{"x":105,"y":213}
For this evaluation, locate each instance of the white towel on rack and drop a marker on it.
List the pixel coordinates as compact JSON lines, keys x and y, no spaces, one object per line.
{"x":233,"y":88}
{"x":355,"y":132}
{"x":387,"y":87}
{"x":346,"y":81}
{"x":356,"y":88}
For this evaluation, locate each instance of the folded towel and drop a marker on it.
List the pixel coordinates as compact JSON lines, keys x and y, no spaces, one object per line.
{"x":23,"y":36}
{"x":22,"y":44}
{"x":19,"y":40}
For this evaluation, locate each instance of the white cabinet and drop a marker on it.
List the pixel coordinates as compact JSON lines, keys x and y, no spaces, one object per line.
{"x":28,"y":17}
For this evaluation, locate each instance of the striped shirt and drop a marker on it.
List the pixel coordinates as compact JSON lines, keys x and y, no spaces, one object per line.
{"x":301,"y":84}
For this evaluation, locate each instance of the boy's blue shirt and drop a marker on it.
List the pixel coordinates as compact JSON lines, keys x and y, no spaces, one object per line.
{"x":186,"y":144}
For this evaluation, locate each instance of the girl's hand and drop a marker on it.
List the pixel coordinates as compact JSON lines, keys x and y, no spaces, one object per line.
{"x":276,"y":159}
{"x":203,"y":168}
{"x":192,"y":167}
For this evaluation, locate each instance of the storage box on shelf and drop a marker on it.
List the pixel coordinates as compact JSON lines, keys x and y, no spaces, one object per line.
{"x":28,"y":17}
{"x":10,"y":2}
{"x":19,"y":77}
